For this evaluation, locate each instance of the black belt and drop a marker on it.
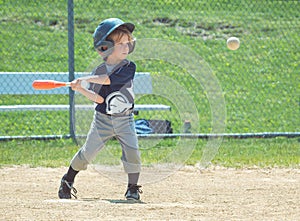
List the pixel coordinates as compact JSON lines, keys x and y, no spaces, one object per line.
{"x":126,"y":113}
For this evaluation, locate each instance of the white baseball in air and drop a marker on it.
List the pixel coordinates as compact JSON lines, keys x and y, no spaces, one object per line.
{"x":233,"y":43}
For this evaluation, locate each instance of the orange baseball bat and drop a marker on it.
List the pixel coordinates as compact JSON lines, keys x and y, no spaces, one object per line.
{"x":49,"y":84}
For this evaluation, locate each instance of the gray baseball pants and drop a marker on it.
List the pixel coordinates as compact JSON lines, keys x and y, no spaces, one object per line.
{"x":103,"y":128}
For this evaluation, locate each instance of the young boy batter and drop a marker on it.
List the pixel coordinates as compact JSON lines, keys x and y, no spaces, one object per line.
{"x":111,"y":88}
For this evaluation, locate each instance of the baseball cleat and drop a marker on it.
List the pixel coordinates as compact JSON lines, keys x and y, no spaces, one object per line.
{"x":133,"y":192}
{"x":65,"y":188}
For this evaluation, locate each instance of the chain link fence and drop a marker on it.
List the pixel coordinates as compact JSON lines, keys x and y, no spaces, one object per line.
{"x":182,"y":44}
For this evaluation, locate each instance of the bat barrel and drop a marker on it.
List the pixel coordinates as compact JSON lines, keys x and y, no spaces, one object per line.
{"x":48,"y":84}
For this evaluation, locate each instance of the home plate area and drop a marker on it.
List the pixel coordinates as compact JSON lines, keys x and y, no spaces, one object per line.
{"x":188,"y":194}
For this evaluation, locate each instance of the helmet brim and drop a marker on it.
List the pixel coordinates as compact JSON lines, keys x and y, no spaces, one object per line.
{"x":129,"y":26}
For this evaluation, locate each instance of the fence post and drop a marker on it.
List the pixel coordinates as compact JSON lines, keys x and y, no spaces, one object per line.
{"x":71,"y":66}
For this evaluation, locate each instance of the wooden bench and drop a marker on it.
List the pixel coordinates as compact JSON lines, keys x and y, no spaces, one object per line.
{"x":19,"y":83}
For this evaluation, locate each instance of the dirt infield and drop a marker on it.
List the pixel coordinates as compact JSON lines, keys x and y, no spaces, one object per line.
{"x":189,"y":194}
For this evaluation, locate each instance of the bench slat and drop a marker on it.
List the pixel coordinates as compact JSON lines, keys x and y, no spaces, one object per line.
{"x":137,"y":107}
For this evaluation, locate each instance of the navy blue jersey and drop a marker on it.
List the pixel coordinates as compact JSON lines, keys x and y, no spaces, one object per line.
{"x":118,"y":96}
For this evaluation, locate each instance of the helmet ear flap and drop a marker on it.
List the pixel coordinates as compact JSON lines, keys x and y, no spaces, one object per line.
{"x":106,"y":48}
{"x":131,"y":46}
{"x":105,"y":45}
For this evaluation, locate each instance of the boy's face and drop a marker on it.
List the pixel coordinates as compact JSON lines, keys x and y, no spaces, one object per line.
{"x":120,"y":50}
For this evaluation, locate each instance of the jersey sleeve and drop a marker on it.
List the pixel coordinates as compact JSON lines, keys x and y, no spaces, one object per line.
{"x":123,"y":75}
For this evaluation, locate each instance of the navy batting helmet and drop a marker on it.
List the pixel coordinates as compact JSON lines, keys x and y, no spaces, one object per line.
{"x":105,"y":28}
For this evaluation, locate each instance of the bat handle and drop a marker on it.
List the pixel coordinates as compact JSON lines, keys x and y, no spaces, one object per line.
{"x":68,"y":84}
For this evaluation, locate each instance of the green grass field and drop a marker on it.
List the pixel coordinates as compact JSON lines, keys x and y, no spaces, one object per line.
{"x":238,"y":153}
{"x":260,"y":81}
